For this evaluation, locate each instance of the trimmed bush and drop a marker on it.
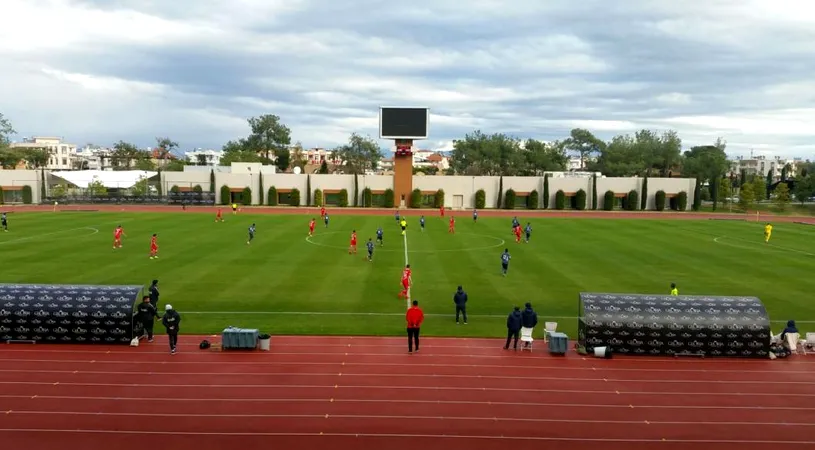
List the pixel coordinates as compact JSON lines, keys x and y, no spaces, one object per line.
{"x":343,"y":198}
{"x":356,"y":190}
{"x":594,"y":198}
{"x":533,"y":201}
{"x":246,"y":196}
{"x":27,"y":195}
{"x":632,"y":200}
{"x":509,"y":200}
{"x":294,"y":197}
{"x":580,"y":200}
{"x":438,"y":200}
{"x":480,"y":199}
{"x":415,"y":198}
{"x":367,"y":197}
{"x":560,"y":199}
{"x":226,"y":194}
{"x":175,"y":189}
{"x":682,"y":201}
{"x":318,"y":197}
{"x":271,"y":196}
{"x":308,"y":190}
{"x":1,"y":196}
{"x":211,"y":181}
{"x":697,"y":194}
{"x":389,"y":198}
{"x":545,"y":191}
{"x":198,"y":189}
{"x":644,"y":199}
{"x":260,"y":189}
{"x":659,"y":200}
{"x":608,"y":201}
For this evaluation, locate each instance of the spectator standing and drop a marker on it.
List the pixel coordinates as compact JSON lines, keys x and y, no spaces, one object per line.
{"x":529,"y":319}
{"x":514,"y":323}
{"x":674,"y":290}
{"x":414,"y":318}
{"x":154,"y":294}
{"x":460,"y":299}
{"x":147,"y":314}
{"x":171,"y":322}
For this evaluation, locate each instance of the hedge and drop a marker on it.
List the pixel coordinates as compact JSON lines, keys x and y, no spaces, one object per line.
{"x":659,"y":200}
{"x":175,"y":189}
{"x":644,"y":200}
{"x":533,"y":201}
{"x":632,"y":200}
{"x":1,"y":196}
{"x":594,"y":192}
{"x":356,"y":190}
{"x":500,"y":192}
{"x":27,"y":195}
{"x":608,"y":201}
{"x":560,"y":200}
{"x":509,"y":200}
{"x":198,"y":189}
{"x":438,"y":200}
{"x":480,"y":199}
{"x":271,"y":196}
{"x":367,"y":197}
{"x":545,"y":191}
{"x":260,"y":189}
{"x":389,"y":198}
{"x":343,"y":198}
{"x":318,"y":197}
{"x":295,"y":197}
{"x":308,"y":190}
{"x":580,"y":200}
{"x":682,"y":201}
{"x":226,"y":194}
{"x":415,"y":198}
{"x":246,"y":196}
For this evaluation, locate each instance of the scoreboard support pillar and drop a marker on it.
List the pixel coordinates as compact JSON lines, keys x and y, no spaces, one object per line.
{"x":403,"y":172}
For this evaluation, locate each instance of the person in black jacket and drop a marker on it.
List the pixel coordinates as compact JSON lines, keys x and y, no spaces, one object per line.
{"x":171,"y":322}
{"x":514,"y":322}
{"x":154,"y":294}
{"x":147,"y":315}
{"x":529,"y":318}
{"x":460,"y":299}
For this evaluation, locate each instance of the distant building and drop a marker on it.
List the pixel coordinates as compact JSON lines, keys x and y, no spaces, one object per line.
{"x":94,"y":158}
{"x":62,"y":155}
{"x":761,"y":165}
{"x":201,"y":157}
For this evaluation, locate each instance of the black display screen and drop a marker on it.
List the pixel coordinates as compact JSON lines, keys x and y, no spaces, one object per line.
{"x":406,"y":123}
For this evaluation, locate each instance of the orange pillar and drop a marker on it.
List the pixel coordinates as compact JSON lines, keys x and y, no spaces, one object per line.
{"x":402,"y":179}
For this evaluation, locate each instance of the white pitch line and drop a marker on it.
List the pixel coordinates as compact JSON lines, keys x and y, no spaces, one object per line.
{"x":757,"y":245}
{"x":400,"y":436}
{"x":404,"y":401}
{"x":397,"y":375}
{"x":406,"y":418}
{"x":384,"y":364}
{"x":54,"y":233}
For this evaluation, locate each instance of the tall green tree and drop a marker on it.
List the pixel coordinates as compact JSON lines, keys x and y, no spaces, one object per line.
{"x":760,"y":189}
{"x":767,"y":185}
{"x":270,"y":137}
{"x":540,"y":157}
{"x":584,"y":143}
{"x":480,"y":154}
{"x":782,"y":196}
{"x":804,"y":188}
{"x":35,"y":157}
{"x":125,"y":155}
{"x":297,"y":156}
{"x":8,"y":159}
{"x":725,"y":191}
{"x":361,"y":153}
{"x":707,"y":163}
{"x":165,"y":147}
{"x":323,"y":168}
{"x":747,"y":197}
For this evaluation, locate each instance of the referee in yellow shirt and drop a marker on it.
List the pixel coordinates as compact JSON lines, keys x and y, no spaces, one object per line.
{"x":768,"y":231}
{"x":403,"y":224}
{"x":674,"y":290}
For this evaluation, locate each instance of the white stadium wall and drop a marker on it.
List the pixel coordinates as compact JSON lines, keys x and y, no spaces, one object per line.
{"x":459,"y":191}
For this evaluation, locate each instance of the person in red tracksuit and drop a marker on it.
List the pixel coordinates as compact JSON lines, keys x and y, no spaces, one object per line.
{"x":414,"y":318}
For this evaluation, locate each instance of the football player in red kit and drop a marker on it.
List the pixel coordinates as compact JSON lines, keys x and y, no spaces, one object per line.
{"x":117,"y":237}
{"x":352,"y":249}
{"x":452,"y":227}
{"x":406,"y":280}
{"x":311,"y":228}
{"x":219,"y":217}
{"x":518,"y":234}
{"x":154,"y":247}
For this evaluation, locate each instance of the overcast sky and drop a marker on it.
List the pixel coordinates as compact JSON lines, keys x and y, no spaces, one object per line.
{"x":102,"y":70}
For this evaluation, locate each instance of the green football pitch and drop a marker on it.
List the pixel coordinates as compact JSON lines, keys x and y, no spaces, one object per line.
{"x":284,"y":283}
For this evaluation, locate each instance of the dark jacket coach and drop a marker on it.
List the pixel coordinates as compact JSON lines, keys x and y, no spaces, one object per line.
{"x":460,"y":299}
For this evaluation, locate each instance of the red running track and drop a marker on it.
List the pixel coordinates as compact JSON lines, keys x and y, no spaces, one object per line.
{"x":358,"y":393}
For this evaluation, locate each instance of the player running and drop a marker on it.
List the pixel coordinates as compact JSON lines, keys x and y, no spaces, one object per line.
{"x":397,"y":216}
{"x":475,"y":216}
{"x":379,"y":234}
{"x":4,"y":222}
{"x":452,"y":227}
{"x":505,"y":261}
{"x":441,"y":210}
{"x":154,"y":247}
{"x":406,"y":281}
{"x":370,"y":245}
{"x":311,"y":227}
{"x":515,"y":224}
{"x":768,"y":232}
{"x":352,"y":249}
{"x":528,"y":231}
{"x":322,"y":211}
{"x":251,"y":234}
{"x":421,"y":223}
{"x":325,"y":219}
{"x":403,"y":224}
{"x":234,"y":209}
{"x":518,"y":234}
{"x":219,"y":216}
{"x":117,"y":237}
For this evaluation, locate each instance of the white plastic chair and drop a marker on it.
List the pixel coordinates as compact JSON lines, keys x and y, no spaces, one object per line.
{"x":792,"y":342}
{"x":526,"y":338}
{"x":548,"y":327}
{"x":808,"y":345}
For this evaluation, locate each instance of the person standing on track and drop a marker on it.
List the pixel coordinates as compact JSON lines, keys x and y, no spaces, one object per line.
{"x":414,"y":318}
{"x":147,"y":314}
{"x":460,"y":299}
{"x":171,"y":322}
{"x":154,"y":294}
{"x":529,"y":319}
{"x":514,"y":323}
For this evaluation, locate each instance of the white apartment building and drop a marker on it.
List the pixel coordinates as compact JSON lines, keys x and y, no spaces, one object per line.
{"x":760,"y":165}
{"x":94,"y":158}
{"x":202,"y":157}
{"x":61,"y":154}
